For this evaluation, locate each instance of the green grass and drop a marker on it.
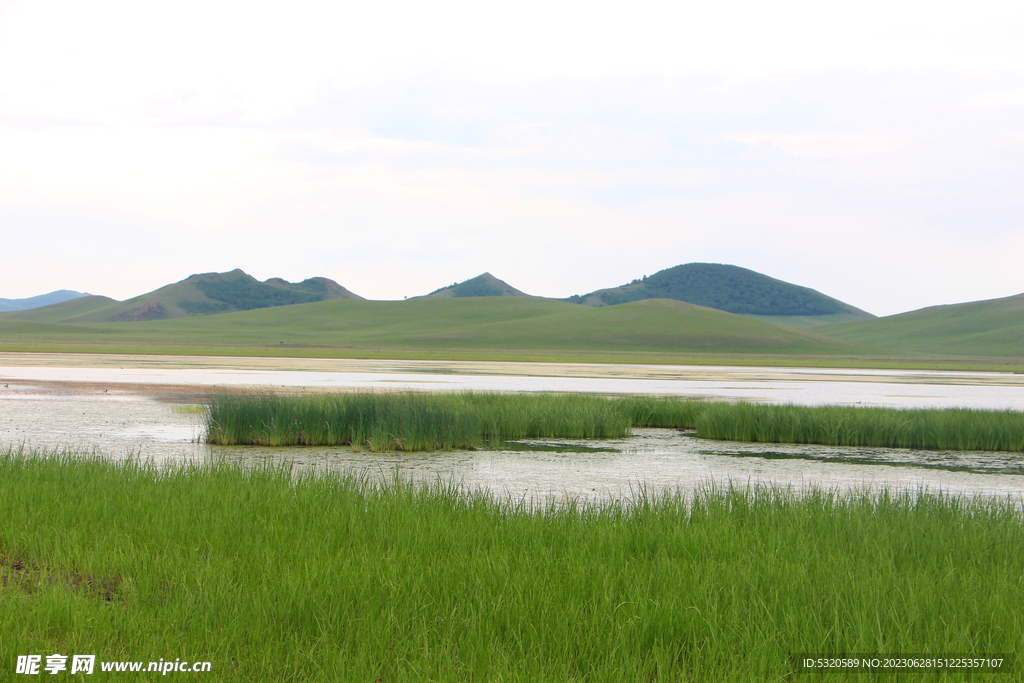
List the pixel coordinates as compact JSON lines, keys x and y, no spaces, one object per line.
{"x":271,"y":576}
{"x":443,"y":421}
{"x":954,"y":429}
{"x":425,"y":422}
{"x":457,"y":327}
{"x":981,"y":328}
{"x":498,"y":329}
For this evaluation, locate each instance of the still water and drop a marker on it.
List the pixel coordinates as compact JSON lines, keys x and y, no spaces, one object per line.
{"x":102,"y":410}
{"x":806,"y":386}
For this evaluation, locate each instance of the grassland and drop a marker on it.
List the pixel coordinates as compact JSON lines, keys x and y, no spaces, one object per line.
{"x":328,"y":578}
{"x":994,"y":327}
{"x":496,"y":328}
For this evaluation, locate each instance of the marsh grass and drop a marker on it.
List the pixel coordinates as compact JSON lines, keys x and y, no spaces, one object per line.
{"x":419,"y":421}
{"x":954,"y":429}
{"x":275,"y":576}
{"x":461,"y":420}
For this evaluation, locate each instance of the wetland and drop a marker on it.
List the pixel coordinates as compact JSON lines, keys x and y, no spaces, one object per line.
{"x":651,"y":555}
{"x":139,"y":407}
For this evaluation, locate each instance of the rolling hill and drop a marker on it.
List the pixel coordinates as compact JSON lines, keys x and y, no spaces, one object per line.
{"x":731,"y":289}
{"x":39,"y":301}
{"x":466,"y":327}
{"x":480,"y":286}
{"x":71,"y":310}
{"x":485,"y":317}
{"x":198,"y":295}
{"x":994,"y":327}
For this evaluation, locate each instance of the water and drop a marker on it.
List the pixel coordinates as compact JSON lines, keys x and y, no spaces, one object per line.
{"x":806,"y":386}
{"x":103,"y":410}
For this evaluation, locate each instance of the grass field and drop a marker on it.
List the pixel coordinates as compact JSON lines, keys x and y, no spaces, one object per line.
{"x":480,"y":325}
{"x":994,"y":327}
{"x":493,"y":328}
{"x":327,"y":578}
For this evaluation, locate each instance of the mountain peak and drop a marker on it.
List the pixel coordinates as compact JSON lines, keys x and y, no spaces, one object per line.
{"x":484,"y":284}
{"x":727,"y":288}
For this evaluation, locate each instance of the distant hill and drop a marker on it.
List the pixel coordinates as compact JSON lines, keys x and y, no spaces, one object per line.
{"x":197,"y":295}
{"x":994,"y":327}
{"x":481,"y":285}
{"x":513,"y":327}
{"x":731,"y":289}
{"x":485,"y":317}
{"x":81,"y":309}
{"x":39,"y":301}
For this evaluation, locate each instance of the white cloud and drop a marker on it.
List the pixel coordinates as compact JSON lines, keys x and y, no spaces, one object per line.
{"x":563,"y":146}
{"x":841,"y":145}
{"x":997,"y":99}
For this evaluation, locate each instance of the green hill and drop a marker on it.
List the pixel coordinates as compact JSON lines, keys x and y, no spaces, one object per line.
{"x":66,"y":311}
{"x":485,"y":317}
{"x":732,"y":289}
{"x":38,"y":301}
{"x":197,"y":295}
{"x":994,"y":327}
{"x":500,"y":327}
{"x":481,"y":285}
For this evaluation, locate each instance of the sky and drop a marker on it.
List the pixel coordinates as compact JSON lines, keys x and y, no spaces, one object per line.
{"x":873,"y":151}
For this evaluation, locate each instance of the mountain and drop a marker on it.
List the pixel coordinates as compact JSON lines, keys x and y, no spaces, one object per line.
{"x":731,"y":289}
{"x":197,"y":295}
{"x":994,"y":327}
{"x":39,"y":301}
{"x":481,"y":285}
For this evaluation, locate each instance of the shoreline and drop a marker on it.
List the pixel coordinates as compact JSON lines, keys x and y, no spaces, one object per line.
{"x":193,"y":379}
{"x":512,"y":368}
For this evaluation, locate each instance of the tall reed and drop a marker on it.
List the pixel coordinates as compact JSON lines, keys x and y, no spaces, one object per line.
{"x":419,"y":421}
{"x":379,"y":421}
{"x":413,"y":421}
{"x":958,"y":429}
{"x":662,"y":411}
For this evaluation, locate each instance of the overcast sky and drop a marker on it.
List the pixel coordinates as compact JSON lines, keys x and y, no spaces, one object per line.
{"x":873,"y":151}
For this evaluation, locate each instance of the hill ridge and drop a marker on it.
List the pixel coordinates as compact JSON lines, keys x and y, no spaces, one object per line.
{"x":40,"y":300}
{"x":199,"y":294}
{"x":483,"y":285}
{"x":990,"y":327}
{"x":727,"y":288}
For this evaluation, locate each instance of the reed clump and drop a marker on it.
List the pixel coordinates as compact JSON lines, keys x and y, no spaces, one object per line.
{"x":955,"y":429}
{"x":418,"y":421}
{"x":271,"y":575}
{"x":378,"y":421}
{"x":464,"y":420}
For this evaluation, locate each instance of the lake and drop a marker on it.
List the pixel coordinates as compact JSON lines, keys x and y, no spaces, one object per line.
{"x":139,"y":406}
